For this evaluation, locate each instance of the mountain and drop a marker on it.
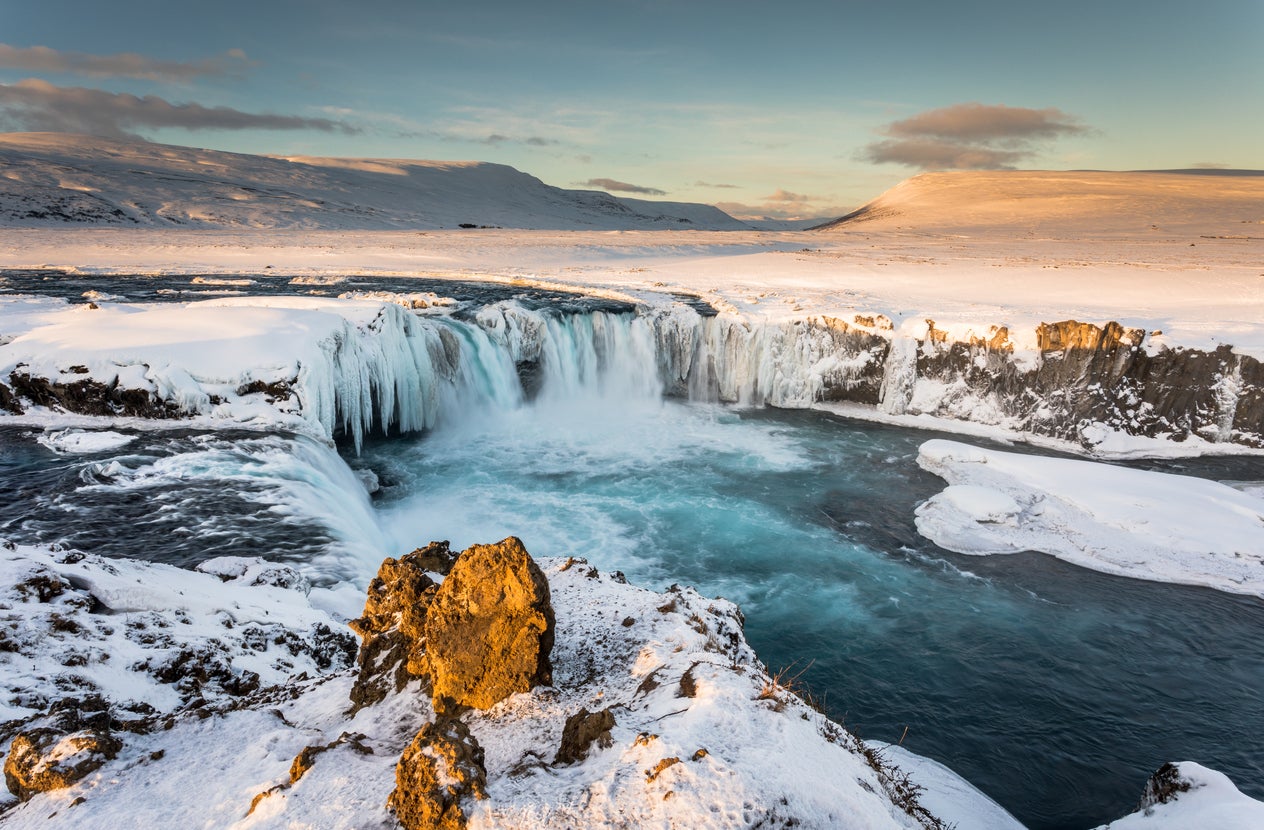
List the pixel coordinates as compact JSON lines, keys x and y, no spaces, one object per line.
{"x":55,"y":179}
{"x":1070,"y":203}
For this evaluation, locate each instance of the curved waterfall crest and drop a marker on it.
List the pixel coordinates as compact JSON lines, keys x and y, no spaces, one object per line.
{"x":412,"y":372}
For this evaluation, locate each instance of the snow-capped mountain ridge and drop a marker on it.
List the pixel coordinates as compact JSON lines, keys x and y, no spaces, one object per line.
{"x":59,"y":179}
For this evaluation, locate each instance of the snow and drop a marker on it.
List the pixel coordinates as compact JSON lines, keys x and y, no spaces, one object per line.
{"x":1061,"y":203}
{"x":74,"y":179}
{"x":1134,"y":523}
{"x":767,"y":755}
{"x":1194,"y":282}
{"x":110,"y":624}
{"x":954,"y":800}
{"x":81,"y":441}
{"x":351,"y":363}
{"x":1211,"y":801}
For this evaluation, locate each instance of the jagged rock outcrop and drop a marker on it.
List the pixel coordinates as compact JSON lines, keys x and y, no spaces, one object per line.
{"x":489,"y":628}
{"x":440,"y":769}
{"x":392,"y":650}
{"x":47,"y":759}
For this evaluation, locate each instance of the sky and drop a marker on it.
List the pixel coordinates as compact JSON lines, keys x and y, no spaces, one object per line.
{"x":788,"y":109}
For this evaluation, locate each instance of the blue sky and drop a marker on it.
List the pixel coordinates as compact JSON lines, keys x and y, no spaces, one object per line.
{"x":794,"y":108}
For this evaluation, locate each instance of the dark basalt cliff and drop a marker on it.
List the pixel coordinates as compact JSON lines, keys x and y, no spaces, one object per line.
{"x":1088,"y":374}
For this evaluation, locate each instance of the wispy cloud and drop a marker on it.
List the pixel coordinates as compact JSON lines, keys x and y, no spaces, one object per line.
{"x":971,"y":136}
{"x":721,"y":186}
{"x":124,"y":65}
{"x":34,"y":104}
{"x":622,"y":187}
{"x":783,"y":204}
{"x":786,"y":197}
{"x":531,"y":141}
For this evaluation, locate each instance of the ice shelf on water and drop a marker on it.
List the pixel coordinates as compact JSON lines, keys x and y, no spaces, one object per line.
{"x":1135,"y":523}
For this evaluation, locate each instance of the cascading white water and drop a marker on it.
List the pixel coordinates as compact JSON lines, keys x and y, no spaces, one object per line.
{"x":411,"y":373}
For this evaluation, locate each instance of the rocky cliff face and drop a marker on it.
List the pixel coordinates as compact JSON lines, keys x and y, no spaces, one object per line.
{"x":1084,"y":377}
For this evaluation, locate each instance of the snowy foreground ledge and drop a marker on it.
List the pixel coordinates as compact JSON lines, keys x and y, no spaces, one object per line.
{"x":214,"y":697}
{"x":1135,"y":523}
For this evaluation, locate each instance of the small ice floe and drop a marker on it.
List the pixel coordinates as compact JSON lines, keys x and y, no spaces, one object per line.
{"x":67,"y":441}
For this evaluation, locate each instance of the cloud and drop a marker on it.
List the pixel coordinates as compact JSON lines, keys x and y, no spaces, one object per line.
{"x":971,"y":137}
{"x":981,"y":122}
{"x":125,"y":65}
{"x":785,"y":196}
{"x":37,"y":105}
{"x":622,"y":187}
{"x":777,"y":206}
{"x":1209,"y":165}
{"x":931,"y":154}
{"x":708,"y":184}
{"x":500,"y":138}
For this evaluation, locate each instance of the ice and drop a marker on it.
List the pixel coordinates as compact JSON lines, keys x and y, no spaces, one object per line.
{"x":81,"y":441}
{"x":1117,"y":520}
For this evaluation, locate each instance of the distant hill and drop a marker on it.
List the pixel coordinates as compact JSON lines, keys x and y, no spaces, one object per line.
{"x":1069,"y":203}
{"x":51,"y":179}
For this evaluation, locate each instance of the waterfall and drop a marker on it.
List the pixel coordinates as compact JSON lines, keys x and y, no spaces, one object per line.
{"x":413,"y":372}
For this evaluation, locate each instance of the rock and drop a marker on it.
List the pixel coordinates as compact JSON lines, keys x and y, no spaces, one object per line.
{"x":254,"y":571}
{"x":393,"y":646}
{"x":442,"y":767}
{"x":86,"y":397}
{"x":436,"y":557}
{"x":582,"y":728}
{"x":1164,"y":786}
{"x":306,"y":759}
{"x":49,"y":759}
{"x":489,"y":628}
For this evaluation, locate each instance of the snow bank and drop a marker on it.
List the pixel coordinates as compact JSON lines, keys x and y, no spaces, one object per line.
{"x":335,"y":364}
{"x":151,"y":637}
{"x":1203,"y":798}
{"x":704,"y":736}
{"x":950,"y":797}
{"x":1134,"y":523}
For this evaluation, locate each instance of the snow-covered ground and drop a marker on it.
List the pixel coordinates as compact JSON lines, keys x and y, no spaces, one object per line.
{"x":60,"y":179}
{"x":741,"y":748}
{"x":1121,"y":521}
{"x":1203,"y":798}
